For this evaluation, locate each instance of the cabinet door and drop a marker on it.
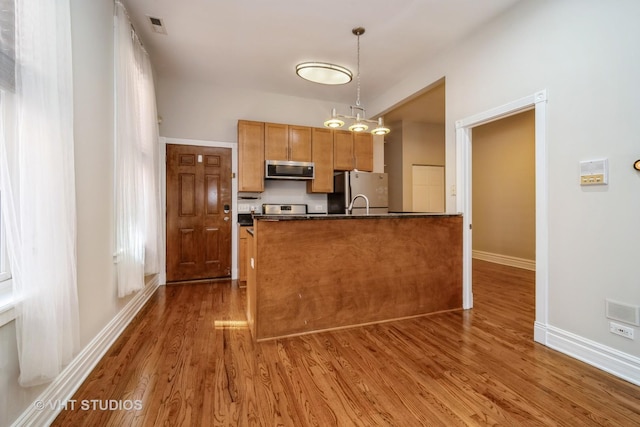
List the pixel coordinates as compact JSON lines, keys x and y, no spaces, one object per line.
{"x":251,"y":293}
{"x":363,"y":151}
{"x":242,"y":255}
{"x":250,"y":156}
{"x":300,"y":143}
{"x":276,"y":141}
{"x":322,"y":157}
{"x":342,"y":150}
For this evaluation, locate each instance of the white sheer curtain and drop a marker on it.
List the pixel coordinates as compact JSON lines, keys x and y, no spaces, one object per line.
{"x":137,"y":191}
{"x":38,"y":190}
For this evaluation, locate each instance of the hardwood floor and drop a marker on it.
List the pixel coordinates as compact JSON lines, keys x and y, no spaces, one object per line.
{"x":189,"y":360}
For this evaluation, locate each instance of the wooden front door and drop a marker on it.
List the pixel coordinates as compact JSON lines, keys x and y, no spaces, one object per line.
{"x":198,"y":212}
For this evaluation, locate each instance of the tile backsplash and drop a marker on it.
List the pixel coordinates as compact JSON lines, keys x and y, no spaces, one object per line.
{"x":285,"y":192}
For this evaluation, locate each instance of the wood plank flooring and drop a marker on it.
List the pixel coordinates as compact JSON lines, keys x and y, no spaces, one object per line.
{"x":189,"y":359}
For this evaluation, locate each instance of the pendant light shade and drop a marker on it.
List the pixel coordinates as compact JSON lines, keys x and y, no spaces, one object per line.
{"x":381,"y":129}
{"x":358,"y":125}
{"x":334,"y":121}
{"x":324,"y":73}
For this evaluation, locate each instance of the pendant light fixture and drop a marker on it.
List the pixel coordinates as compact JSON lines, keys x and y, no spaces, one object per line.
{"x":357,"y":111}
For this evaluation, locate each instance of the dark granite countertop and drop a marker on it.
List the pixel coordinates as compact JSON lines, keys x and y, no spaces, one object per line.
{"x":345,"y":216}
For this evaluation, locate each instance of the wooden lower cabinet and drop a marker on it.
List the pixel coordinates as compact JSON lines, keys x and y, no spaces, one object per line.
{"x":251,"y":282}
{"x":242,"y":255}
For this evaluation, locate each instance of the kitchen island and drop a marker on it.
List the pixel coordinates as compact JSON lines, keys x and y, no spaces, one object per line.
{"x":318,"y":272}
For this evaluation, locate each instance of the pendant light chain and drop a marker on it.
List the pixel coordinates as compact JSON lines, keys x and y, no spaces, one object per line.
{"x":358,"y":77}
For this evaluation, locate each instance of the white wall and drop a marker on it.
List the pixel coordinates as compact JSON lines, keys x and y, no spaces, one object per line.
{"x":393,"y":162}
{"x":92,"y":31}
{"x":584,"y":53}
{"x":92,"y":50}
{"x":192,"y":110}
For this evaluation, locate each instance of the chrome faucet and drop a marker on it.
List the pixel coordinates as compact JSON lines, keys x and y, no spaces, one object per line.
{"x":366,"y":200}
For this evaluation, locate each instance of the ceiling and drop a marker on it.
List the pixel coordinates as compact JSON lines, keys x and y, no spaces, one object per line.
{"x":257,"y":44}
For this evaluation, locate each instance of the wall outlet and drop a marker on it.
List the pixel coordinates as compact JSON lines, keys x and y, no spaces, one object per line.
{"x":618,"y":329}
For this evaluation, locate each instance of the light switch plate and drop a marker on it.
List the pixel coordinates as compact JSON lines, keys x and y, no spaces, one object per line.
{"x":594,"y":172}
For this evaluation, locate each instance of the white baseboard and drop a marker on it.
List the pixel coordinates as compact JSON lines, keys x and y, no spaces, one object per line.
{"x":622,"y":365}
{"x":511,"y":261}
{"x":70,"y":379}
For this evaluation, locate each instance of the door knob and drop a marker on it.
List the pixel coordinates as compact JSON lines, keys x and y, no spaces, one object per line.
{"x":226,"y":218}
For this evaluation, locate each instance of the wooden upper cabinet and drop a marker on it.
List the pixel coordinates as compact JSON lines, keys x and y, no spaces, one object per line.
{"x":250,"y":156}
{"x":342,"y":150}
{"x":300,"y":143}
{"x":363,"y":151}
{"x":287,"y":142}
{"x":276,"y":141}
{"x":322,"y":157}
{"x":352,"y":150}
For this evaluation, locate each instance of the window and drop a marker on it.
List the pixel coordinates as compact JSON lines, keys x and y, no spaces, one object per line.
{"x":7,"y":43}
{"x":6,"y":290}
{"x":5,"y":272}
{"x":7,"y":86}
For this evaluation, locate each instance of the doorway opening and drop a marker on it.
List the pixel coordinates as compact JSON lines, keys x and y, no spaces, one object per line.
{"x":503,"y":191}
{"x":464,"y":127}
{"x":198,"y":212}
{"x":230,"y":247}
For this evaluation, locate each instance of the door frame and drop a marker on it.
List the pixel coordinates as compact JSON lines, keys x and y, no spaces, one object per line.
{"x":234,"y":193}
{"x":537,"y":101}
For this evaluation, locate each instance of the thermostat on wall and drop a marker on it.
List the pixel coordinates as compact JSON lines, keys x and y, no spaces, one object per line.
{"x":594,"y":172}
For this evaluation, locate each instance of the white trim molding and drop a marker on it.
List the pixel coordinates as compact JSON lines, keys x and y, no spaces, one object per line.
{"x":538,"y":102}
{"x":511,"y":261}
{"x":622,"y":365}
{"x":235,"y":270}
{"x":70,"y":379}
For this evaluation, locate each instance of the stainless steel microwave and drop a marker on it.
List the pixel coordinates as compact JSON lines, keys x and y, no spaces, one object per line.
{"x":283,"y":169}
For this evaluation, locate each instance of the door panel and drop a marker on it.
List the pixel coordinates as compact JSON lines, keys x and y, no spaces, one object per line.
{"x":212,"y":191}
{"x":187,"y":194}
{"x":198,"y":228}
{"x":187,"y":246}
{"x":212,"y":248}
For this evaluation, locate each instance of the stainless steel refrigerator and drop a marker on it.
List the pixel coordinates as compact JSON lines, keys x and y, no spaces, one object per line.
{"x":347,"y":185}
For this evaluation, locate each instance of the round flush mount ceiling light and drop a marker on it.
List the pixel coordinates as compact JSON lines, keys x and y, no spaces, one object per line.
{"x":324,"y":73}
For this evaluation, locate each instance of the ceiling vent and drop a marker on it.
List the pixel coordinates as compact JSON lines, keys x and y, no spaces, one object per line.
{"x":157,"y":25}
